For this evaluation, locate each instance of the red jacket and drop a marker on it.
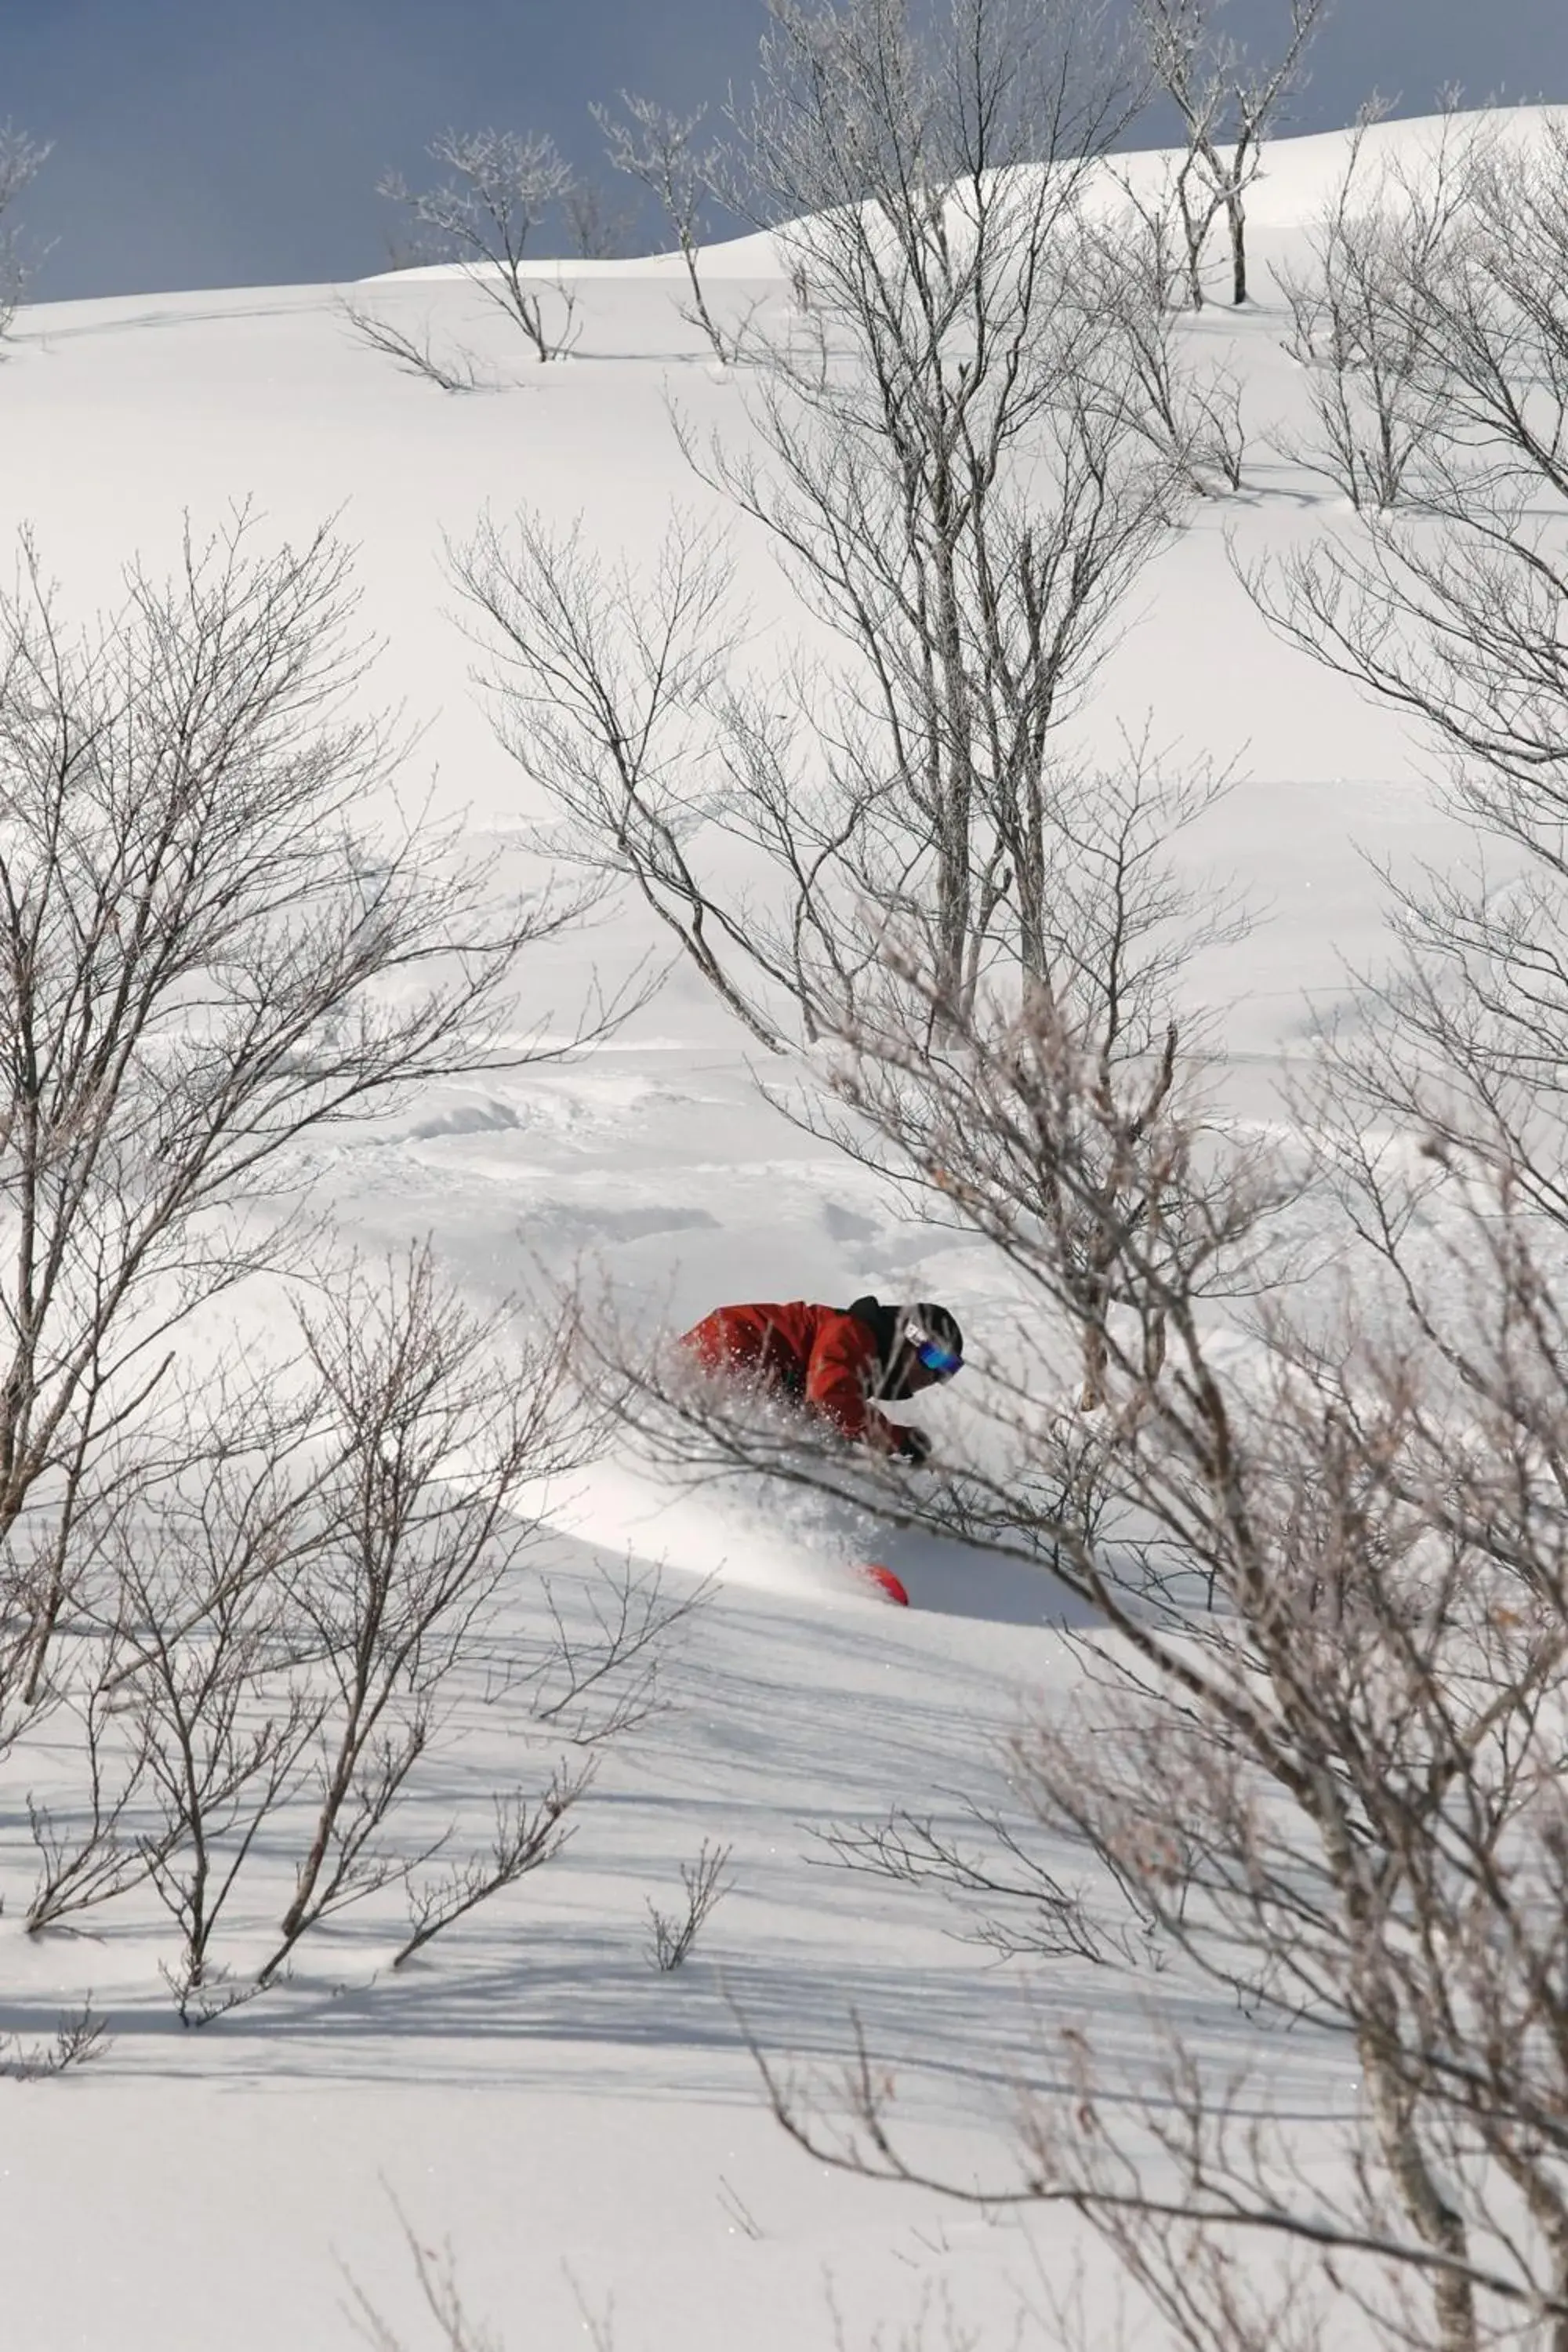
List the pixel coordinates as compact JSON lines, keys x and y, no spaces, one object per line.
{"x":822,"y":1357}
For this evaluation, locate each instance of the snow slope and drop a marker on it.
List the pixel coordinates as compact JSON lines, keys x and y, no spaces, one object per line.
{"x":585,"y":2130}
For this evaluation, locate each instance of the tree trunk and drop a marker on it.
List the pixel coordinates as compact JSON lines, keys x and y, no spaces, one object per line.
{"x":1236,"y":214}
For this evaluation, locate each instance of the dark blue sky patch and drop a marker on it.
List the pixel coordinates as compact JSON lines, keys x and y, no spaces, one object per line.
{"x":203,"y":143}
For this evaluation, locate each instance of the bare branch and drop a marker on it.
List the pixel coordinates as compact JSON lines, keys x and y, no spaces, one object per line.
{"x":413,"y":352}
{"x":80,"y":2038}
{"x":705,"y":1886}
{"x":528,"y":1834}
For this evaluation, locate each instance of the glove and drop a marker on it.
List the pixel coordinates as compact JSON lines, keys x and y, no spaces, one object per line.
{"x":914,"y":1447}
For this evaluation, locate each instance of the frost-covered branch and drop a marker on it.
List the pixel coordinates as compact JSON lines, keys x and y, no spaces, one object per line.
{"x":502,"y":187}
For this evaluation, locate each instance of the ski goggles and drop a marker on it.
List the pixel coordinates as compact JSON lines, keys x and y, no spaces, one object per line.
{"x":942,"y":1361}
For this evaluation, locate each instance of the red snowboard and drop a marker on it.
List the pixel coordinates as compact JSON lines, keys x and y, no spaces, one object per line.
{"x":885,"y":1582}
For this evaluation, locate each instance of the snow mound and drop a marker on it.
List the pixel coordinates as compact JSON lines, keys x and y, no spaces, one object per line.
{"x":1299,"y":177}
{"x":775,"y":1538}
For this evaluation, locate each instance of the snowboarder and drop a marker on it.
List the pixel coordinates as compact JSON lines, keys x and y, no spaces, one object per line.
{"x":832,"y":1360}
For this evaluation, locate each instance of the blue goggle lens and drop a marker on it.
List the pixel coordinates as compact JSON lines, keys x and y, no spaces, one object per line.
{"x":937,"y":1359}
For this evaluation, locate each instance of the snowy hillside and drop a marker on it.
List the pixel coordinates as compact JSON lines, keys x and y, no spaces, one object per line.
{"x":588,"y":2133}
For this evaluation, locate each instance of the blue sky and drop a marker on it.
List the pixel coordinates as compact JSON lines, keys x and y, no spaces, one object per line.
{"x":204,"y":143}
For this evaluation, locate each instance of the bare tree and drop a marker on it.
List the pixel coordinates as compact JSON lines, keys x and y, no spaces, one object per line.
{"x":273,"y":1625}
{"x":503,"y":185}
{"x":601,"y":685}
{"x":1228,"y":103}
{"x":223,"y":1717}
{"x":963,"y":494}
{"x":206,"y":951}
{"x":21,"y":159}
{"x":194,"y":1658}
{"x":658,"y":149}
{"x":894,"y":167}
{"x":437,"y":1431}
{"x":220,"y":1462}
{"x":1128,"y":272}
{"x":918,"y":773}
{"x":295,"y":1612}
{"x":1359,"y":319}
{"x":1447,"y":607}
